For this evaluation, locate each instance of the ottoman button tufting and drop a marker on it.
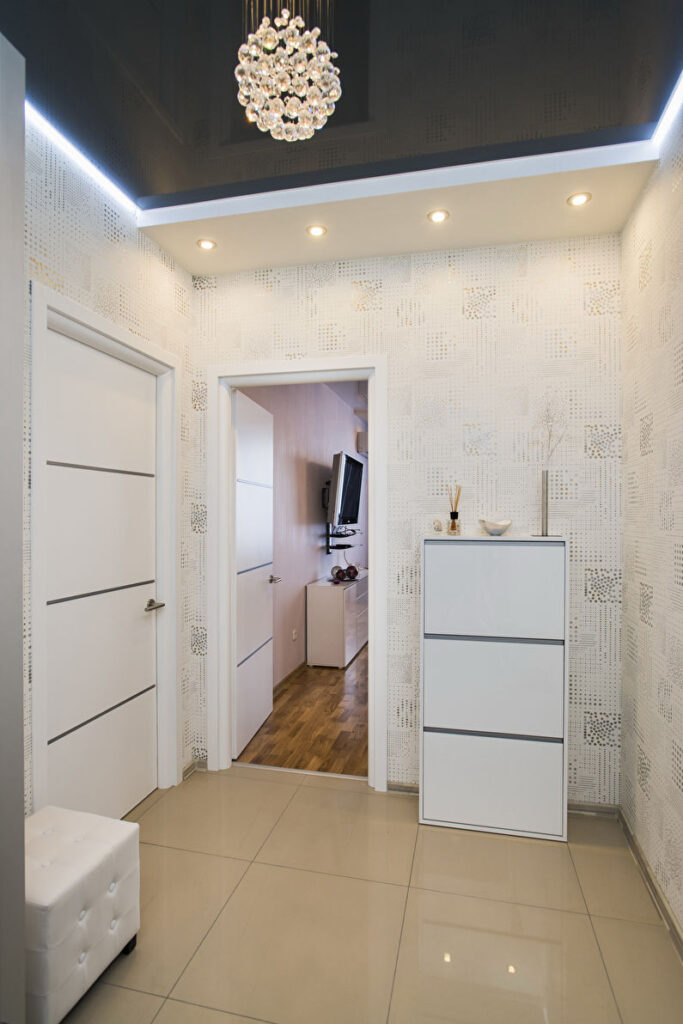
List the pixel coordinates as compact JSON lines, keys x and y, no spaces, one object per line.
{"x":112,"y":886}
{"x":81,"y":958}
{"x":113,"y":923}
{"x":81,"y":915}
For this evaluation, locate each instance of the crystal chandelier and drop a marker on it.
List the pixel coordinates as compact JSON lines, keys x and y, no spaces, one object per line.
{"x":286,"y":78}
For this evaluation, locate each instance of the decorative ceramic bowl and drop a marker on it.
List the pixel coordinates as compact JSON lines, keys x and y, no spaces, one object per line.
{"x":495,"y":529}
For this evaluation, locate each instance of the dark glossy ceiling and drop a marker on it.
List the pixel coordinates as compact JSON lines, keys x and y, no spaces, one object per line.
{"x":146,"y":87}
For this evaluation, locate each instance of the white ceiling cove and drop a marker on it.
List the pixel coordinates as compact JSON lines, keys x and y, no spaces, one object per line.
{"x":270,"y":231}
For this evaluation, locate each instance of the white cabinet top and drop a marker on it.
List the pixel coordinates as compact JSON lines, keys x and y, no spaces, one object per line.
{"x":325,"y":581}
{"x":504,"y":539}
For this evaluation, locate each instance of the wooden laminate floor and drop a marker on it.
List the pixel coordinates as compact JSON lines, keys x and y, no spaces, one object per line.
{"x":319,"y":722}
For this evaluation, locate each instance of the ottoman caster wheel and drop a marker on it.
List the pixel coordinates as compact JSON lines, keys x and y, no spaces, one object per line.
{"x":130,"y":946}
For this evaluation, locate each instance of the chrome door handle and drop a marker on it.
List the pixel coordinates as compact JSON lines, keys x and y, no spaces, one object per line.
{"x":275,"y":579}
{"x":152,"y":605}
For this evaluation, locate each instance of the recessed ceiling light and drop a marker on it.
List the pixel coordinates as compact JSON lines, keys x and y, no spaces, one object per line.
{"x":512,"y":969}
{"x":579,"y":199}
{"x":316,"y":230}
{"x":206,"y":244}
{"x":438,"y":216}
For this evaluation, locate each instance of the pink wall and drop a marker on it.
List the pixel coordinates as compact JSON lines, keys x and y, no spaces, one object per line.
{"x":311,"y":423}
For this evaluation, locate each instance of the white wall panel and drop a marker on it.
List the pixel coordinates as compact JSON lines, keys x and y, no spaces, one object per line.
{"x":101,"y":650}
{"x":101,"y":411}
{"x":254,"y":526}
{"x":110,"y":765}
{"x":254,"y":610}
{"x":256,"y":700}
{"x":100,"y":530}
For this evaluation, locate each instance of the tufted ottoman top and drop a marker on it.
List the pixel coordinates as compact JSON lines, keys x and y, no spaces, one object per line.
{"x":72,"y":860}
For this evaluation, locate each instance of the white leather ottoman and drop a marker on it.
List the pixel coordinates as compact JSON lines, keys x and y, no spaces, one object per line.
{"x":82,"y":905}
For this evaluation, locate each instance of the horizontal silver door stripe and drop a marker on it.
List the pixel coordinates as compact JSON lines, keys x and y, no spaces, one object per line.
{"x":493,"y":639}
{"x":94,"y":593}
{"x":254,"y":483}
{"x":101,"y":714}
{"x":494,"y":735}
{"x":254,"y":652}
{"x":98,"y":469}
{"x":263,"y":565}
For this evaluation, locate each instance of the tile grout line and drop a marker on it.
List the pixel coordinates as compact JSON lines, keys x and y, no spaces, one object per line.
{"x":225,"y":1013}
{"x":224,"y":905}
{"x":500,"y":899}
{"x":330,"y":874}
{"x":597,"y":940}
{"x":403,"y":921}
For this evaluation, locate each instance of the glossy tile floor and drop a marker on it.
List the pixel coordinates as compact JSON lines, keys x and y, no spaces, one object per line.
{"x":308,"y":899}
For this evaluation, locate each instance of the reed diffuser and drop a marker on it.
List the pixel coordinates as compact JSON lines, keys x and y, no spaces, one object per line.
{"x":454,"y":499}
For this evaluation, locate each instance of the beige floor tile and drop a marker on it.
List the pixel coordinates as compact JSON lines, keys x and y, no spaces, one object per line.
{"x":258,"y":774}
{"x":212,"y":813}
{"x":474,"y":961}
{"x":323,"y":781}
{"x":300,"y":948}
{"x":187,"y":1013}
{"x":612,"y":883}
{"x":645,"y":971}
{"x":529,"y":871}
{"x":181,"y":895}
{"x":595,"y":830}
{"x":346,"y":833}
{"x":107,"y":1004}
{"x":145,"y":805}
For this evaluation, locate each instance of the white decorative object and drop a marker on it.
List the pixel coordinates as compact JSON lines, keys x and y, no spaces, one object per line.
{"x":438,"y":526}
{"x":336,"y":620}
{"x":286,"y":78}
{"x":495,"y":528}
{"x":494,"y":690}
{"x":82,"y":904}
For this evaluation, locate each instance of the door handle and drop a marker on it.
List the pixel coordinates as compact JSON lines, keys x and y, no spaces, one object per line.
{"x":152,"y":605}
{"x":275,"y":579}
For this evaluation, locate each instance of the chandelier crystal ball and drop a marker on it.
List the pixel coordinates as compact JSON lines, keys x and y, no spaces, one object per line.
{"x":286,"y":78}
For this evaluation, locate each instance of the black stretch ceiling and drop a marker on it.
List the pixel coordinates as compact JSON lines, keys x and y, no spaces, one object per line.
{"x":146,"y":87}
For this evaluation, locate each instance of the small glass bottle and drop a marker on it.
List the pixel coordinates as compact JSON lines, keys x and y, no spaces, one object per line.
{"x":454,"y":525}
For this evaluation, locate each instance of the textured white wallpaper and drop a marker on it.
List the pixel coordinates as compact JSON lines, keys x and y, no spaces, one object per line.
{"x":475,"y":341}
{"x":652,"y":767}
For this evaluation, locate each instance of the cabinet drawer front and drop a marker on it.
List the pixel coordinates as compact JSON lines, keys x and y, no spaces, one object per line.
{"x":494,"y":686}
{"x":497,"y":588}
{"x":493,"y":783}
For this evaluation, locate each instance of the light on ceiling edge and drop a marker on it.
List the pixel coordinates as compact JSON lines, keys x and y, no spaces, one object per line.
{"x":35,"y":118}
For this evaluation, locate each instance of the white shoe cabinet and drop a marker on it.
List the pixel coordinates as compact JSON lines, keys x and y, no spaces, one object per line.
{"x":494,"y":685}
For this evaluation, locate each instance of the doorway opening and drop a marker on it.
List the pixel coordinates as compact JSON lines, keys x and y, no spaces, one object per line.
{"x":302,"y":607}
{"x":328,"y":710}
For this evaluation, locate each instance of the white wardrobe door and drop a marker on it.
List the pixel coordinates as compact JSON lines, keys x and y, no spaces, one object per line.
{"x":254,"y":610}
{"x":101,"y":411}
{"x":253,"y":526}
{"x":255,"y":695}
{"x":100,"y":654}
{"x":100,"y":530}
{"x":109,"y":765}
{"x":254,"y":441}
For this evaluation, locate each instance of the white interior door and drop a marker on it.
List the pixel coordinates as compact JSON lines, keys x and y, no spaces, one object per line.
{"x":253,"y":689}
{"x":96,"y":497}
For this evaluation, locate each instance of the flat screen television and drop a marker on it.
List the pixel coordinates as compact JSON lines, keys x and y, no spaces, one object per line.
{"x":346,"y":486}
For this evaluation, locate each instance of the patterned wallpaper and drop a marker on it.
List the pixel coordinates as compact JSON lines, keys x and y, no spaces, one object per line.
{"x":475,"y":341}
{"x":652,"y":766}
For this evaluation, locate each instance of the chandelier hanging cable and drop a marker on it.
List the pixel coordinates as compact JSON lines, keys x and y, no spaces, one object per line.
{"x":286,"y":78}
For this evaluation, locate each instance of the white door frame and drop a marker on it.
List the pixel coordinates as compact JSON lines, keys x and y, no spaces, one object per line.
{"x":50,"y":311}
{"x":222,"y":381}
